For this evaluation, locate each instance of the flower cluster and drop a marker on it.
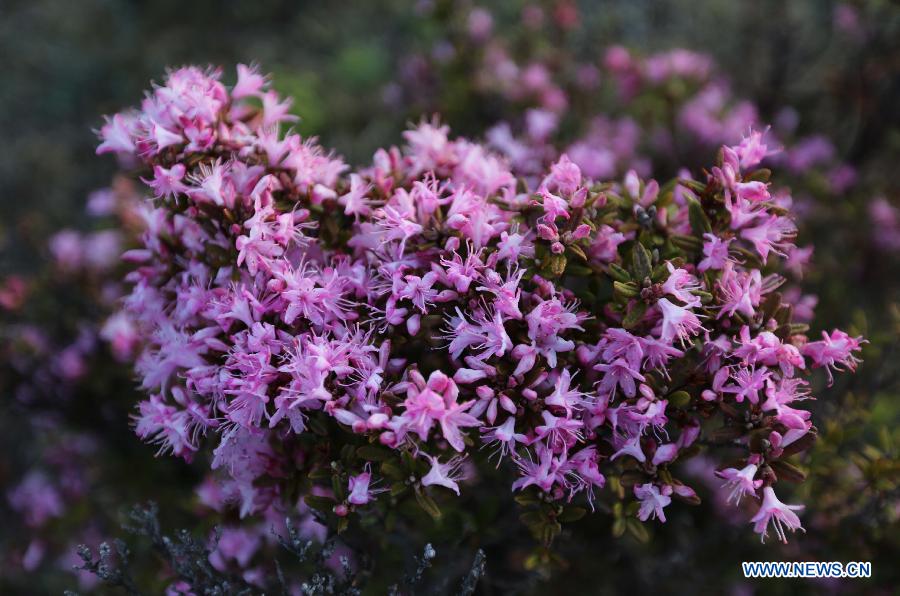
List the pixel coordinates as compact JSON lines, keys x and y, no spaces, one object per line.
{"x":379,"y":326}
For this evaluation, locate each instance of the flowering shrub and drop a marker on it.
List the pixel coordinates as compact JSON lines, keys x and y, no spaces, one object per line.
{"x":351,"y":333}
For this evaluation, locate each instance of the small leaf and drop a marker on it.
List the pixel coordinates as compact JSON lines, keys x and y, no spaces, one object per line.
{"x":693,"y":185}
{"x":699,"y":221}
{"x":392,"y":470}
{"x":726,"y":433}
{"x":770,"y":305}
{"x":799,"y":328}
{"x":684,"y":242}
{"x":578,"y":251}
{"x":788,"y":471}
{"x":637,"y":529}
{"x":338,"y":488}
{"x":323,"y":504}
{"x":579,"y":270}
{"x":532,"y":519}
{"x":627,"y":290}
{"x":760,"y":175}
{"x":635,"y":315}
{"x":429,"y":505}
{"x":618,"y":527}
{"x":320,"y":473}
{"x":554,"y":265}
{"x":801,"y":444}
{"x":549,"y":532}
{"x":641,"y":265}
{"x":631,"y":477}
{"x":680,"y":399}
{"x":373,"y":453}
{"x":526,"y":498}
{"x":618,"y":273}
{"x":571,"y":514}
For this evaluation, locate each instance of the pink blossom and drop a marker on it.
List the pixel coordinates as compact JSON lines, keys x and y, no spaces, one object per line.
{"x":446,"y":475}
{"x":653,"y":500}
{"x":834,"y":351}
{"x":740,"y":481}
{"x":780,"y":515}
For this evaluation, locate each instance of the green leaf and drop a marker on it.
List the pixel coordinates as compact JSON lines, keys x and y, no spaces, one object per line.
{"x":320,"y":473}
{"x":684,"y":242}
{"x":618,"y":527}
{"x":526,"y":498}
{"x":338,"y":488}
{"x":392,"y":470}
{"x":618,"y":273}
{"x":680,"y":399}
{"x":641,"y":264}
{"x":571,"y":514}
{"x":788,"y":471}
{"x":532,"y":519}
{"x":549,"y":532}
{"x":700,"y":223}
{"x":373,"y":453}
{"x":799,"y":328}
{"x":628,"y":290}
{"x":635,"y":315}
{"x":579,"y":270}
{"x":554,"y":265}
{"x":760,"y":175}
{"x":578,"y":251}
{"x":694,"y":185}
{"x":637,"y":529}
{"x":323,"y":504}
{"x":429,"y":505}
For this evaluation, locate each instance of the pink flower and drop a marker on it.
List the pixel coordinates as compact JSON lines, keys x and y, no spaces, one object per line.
{"x":542,"y":473}
{"x":604,"y":247}
{"x":665,"y":454}
{"x":680,"y":284}
{"x":504,"y":435}
{"x":554,"y":206}
{"x":165,"y":182}
{"x":117,"y":135}
{"x":618,"y":373}
{"x":563,"y":396}
{"x":249,"y":82}
{"x":274,"y":110}
{"x":546,"y":321}
{"x":435,"y":401}
{"x":780,"y":515}
{"x":834,"y":351}
{"x":361,"y":492}
{"x":752,"y":150}
{"x":771,"y":235}
{"x":740,"y":481}
{"x":36,"y":499}
{"x":163,"y":137}
{"x":446,"y":475}
{"x":715,"y":252}
{"x":677,"y":322}
{"x":565,"y":176}
{"x":652,"y":501}
{"x":740,"y":292}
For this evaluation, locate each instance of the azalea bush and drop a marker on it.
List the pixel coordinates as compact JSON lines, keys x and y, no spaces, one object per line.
{"x":338,"y":334}
{"x":373,"y":453}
